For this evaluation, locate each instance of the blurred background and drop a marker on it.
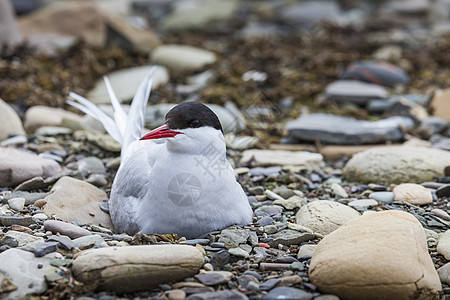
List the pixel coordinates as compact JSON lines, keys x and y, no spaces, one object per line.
{"x":264,"y":61}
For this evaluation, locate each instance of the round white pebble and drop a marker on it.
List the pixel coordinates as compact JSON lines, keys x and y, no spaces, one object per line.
{"x":16,"y":203}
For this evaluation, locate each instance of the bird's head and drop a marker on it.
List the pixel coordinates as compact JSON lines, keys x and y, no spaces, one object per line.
{"x":189,"y":127}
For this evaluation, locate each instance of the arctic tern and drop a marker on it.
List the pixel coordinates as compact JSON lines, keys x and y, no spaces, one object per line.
{"x":174,"y":179}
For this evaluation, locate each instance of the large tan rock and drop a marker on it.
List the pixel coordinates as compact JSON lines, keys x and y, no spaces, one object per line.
{"x":413,"y":193}
{"x":67,"y":18}
{"x":17,"y":166}
{"x":440,"y":104}
{"x":324,"y":216}
{"x":397,"y":164}
{"x":380,"y":255}
{"x":73,"y":200}
{"x":11,"y":123}
{"x":136,"y":268}
{"x":38,"y":116}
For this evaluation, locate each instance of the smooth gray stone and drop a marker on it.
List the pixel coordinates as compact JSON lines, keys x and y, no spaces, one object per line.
{"x":352,"y":91}
{"x":385,"y":197}
{"x":285,"y":292}
{"x":30,"y":198}
{"x":306,"y":13}
{"x":289,"y":237}
{"x":269,"y":284}
{"x":17,"y":220}
{"x":197,"y":241}
{"x":341,"y":130}
{"x":219,"y":295}
{"x":381,"y":105}
{"x":45,"y":248}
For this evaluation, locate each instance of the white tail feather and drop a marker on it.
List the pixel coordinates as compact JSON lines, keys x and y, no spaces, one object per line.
{"x":124,"y":128}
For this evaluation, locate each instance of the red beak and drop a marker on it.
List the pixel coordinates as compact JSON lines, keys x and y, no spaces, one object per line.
{"x":160,"y":132}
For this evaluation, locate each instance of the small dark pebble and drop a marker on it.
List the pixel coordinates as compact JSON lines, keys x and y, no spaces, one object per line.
{"x":447,"y":171}
{"x":217,"y":245}
{"x":40,"y":266}
{"x":297,"y":266}
{"x":254,"y":274}
{"x":269,"y":284}
{"x":244,"y":280}
{"x":214,"y":249}
{"x":9,"y":241}
{"x":444,"y":179}
{"x":443,"y":191}
{"x":45,"y":248}
{"x":211,"y":278}
{"x":304,"y":257}
{"x":220,"y":259}
{"x":4,"y":248}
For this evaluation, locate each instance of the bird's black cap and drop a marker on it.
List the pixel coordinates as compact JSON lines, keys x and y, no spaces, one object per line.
{"x":192,"y":115}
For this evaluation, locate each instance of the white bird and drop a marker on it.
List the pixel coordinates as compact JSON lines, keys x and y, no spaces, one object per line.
{"x":176,"y":178}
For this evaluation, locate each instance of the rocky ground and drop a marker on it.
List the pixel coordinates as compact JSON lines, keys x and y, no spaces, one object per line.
{"x":336,"y":117}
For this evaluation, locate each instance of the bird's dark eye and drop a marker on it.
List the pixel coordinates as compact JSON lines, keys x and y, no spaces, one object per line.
{"x":194,"y":123}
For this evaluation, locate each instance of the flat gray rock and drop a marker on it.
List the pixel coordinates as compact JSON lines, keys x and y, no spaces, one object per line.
{"x":17,"y":166}
{"x":397,"y":164}
{"x":352,"y":91}
{"x":25,"y":271}
{"x":341,"y":130}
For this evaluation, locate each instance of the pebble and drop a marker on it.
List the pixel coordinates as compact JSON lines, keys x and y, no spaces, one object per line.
{"x":18,"y":220}
{"x":443,"y":246}
{"x":289,"y":280}
{"x":25,"y":271}
{"x":97,"y":180}
{"x":232,"y":237}
{"x":24,"y":165}
{"x":297,"y":266}
{"x":269,"y":284}
{"x":384,"y":197}
{"x":64,"y":228}
{"x":90,"y":165}
{"x":268,"y":210}
{"x":287,"y":293}
{"x":273,"y":266}
{"x":16,"y":203}
{"x":444,"y":273}
{"x":412,"y":193}
{"x":443,"y":191}
{"x":150,"y":264}
{"x":405,"y":164}
{"x":307,"y":249}
{"x":363,"y":204}
{"x":440,"y":213}
{"x":238,"y":252}
{"x":244,"y":281}
{"x":182,"y":58}
{"x":291,"y":203}
{"x":338,"y":190}
{"x":88,"y":241}
{"x":264,"y":221}
{"x":258,"y":171}
{"x":281,"y":158}
{"x":176,"y":295}
{"x":63,"y":241}
{"x":40,"y":216}
{"x":198,"y":241}
{"x":219,"y":295}
{"x":45,"y":248}
{"x":289,"y":237}
{"x":324,"y":216}
{"x":380,"y":73}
